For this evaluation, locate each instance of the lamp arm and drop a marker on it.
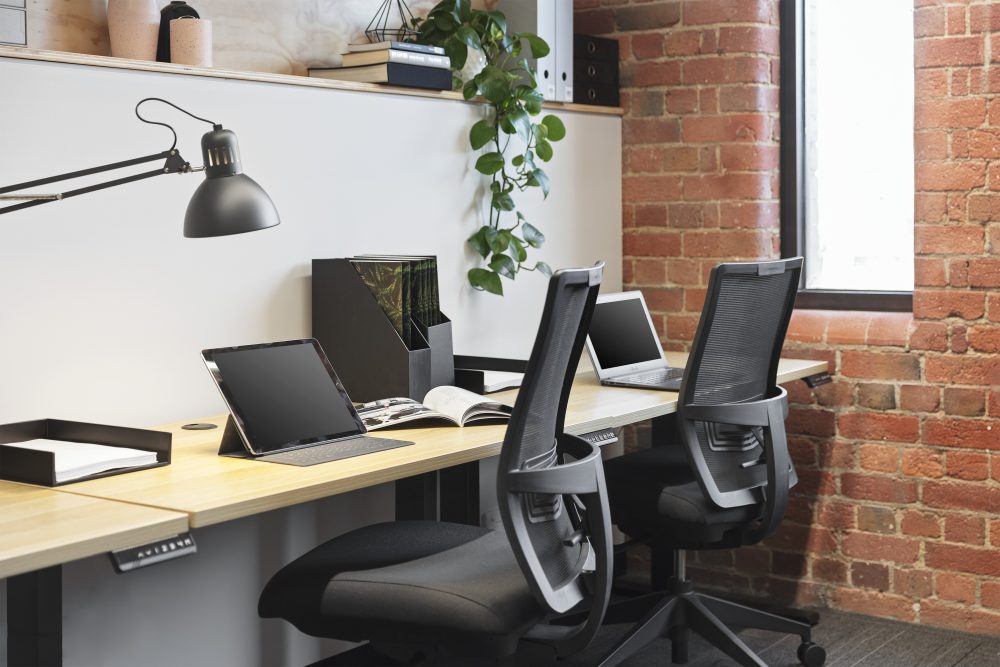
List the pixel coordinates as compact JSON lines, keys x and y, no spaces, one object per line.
{"x":174,"y":164}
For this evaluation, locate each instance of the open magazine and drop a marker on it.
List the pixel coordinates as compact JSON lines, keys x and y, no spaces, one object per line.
{"x":451,"y":404}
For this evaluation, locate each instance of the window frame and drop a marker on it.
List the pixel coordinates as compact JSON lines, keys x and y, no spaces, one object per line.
{"x":792,"y":175}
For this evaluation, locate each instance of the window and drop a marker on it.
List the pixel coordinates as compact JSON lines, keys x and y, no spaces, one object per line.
{"x":847,"y":150}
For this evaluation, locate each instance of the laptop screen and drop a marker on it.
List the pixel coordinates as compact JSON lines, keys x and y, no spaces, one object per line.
{"x":621,"y":335}
{"x":283,"y":395}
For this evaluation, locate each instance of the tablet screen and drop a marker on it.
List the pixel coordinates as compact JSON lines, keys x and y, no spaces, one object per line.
{"x":283,"y":395}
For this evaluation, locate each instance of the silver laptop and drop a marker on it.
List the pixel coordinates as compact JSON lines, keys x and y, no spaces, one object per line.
{"x":624,"y":347}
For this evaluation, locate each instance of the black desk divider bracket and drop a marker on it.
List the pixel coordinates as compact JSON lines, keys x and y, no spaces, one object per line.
{"x":818,"y":379}
{"x":469,"y":370}
{"x":38,"y":467}
{"x":368,"y":354}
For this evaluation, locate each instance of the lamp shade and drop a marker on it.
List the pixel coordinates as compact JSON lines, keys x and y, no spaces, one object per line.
{"x":228,"y":201}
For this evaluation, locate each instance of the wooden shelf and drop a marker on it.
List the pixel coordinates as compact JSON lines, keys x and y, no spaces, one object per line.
{"x":63,"y":57}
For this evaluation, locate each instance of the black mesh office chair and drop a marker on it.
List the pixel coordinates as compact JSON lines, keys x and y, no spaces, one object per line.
{"x":422,"y":591}
{"x":733,"y":488}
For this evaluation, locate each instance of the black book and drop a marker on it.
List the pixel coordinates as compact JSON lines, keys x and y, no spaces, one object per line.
{"x":395,"y":74}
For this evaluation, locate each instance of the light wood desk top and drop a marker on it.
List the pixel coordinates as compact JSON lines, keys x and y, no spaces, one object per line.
{"x":41,"y":527}
{"x":212,"y":489}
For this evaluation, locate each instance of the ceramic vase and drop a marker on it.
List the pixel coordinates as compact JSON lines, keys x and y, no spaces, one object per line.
{"x":134,"y":26}
{"x":191,"y":42}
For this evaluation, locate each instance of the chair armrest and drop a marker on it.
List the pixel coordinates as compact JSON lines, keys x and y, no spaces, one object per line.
{"x":752,"y":413}
{"x":576,"y":477}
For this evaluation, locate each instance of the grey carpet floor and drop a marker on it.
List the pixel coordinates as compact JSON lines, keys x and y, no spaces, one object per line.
{"x":850,"y":640}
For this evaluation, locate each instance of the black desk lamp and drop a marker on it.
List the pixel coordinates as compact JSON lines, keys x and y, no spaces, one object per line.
{"x":227,"y":202}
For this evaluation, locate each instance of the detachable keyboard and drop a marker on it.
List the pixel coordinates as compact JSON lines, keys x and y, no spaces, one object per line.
{"x":333,"y":451}
{"x":658,"y":376}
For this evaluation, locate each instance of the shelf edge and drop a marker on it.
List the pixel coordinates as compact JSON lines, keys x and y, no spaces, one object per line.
{"x":67,"y":58}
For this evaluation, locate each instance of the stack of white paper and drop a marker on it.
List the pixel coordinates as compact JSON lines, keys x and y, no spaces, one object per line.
{"x":79,"y":459}
{"x":497,"y":380}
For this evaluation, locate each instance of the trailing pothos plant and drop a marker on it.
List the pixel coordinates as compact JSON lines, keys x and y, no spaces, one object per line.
{"x":509,"y":84}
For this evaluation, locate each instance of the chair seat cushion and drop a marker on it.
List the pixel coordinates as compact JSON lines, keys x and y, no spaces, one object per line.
{"x":651,"y":495}
{"x":408,"y":582}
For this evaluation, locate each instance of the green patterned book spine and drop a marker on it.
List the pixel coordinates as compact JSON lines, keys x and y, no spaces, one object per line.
{"x":389,"y":284}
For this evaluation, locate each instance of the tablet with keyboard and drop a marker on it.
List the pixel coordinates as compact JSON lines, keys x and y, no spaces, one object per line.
{"x":288,"y":404}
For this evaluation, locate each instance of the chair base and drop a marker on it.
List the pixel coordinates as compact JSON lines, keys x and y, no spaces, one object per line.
{"x":680,"y":610}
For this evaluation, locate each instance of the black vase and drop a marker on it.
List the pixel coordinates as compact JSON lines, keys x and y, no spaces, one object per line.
{"x":177,"y":9}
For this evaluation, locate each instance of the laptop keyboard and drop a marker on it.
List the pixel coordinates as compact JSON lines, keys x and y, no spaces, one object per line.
{"x":653,"y":377}
{"x":333,"y":451}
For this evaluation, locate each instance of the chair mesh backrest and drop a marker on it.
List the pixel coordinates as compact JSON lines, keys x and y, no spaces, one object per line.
{"x":537,"y":421}
{"x":734,"y":359}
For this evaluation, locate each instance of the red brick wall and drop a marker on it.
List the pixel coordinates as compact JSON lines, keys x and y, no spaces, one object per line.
{"x":898,"y":510}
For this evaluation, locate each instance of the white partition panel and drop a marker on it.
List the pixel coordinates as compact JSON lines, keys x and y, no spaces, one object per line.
{"x":107,"y":305}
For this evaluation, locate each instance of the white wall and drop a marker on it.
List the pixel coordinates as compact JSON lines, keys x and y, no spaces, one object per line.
{"x":105,"y":305}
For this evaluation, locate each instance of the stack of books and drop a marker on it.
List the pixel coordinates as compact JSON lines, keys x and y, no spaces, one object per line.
{"x":394,"y":63}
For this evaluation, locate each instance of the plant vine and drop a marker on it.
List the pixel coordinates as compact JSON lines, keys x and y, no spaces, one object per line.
{"x":509,"y":84}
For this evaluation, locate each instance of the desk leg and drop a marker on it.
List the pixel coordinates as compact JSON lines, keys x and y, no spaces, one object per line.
{"x":451,"y":494}
{"x":459,"y":493}
{"x":417,"y":497}
{"x":34,"y":618}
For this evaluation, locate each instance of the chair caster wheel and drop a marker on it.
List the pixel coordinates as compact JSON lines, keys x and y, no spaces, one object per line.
{"x":811,"y":655}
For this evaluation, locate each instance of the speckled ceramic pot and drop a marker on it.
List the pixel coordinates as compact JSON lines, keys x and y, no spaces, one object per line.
{"x":134,"y":26}
{"x":191,"y":42}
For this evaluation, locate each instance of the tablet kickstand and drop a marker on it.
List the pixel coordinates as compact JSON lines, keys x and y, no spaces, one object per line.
{"x":232,"y":442}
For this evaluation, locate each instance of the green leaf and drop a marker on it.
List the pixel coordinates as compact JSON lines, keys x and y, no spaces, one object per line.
{"x":517,"y":160}
{"x":503,"y":202}
{"x":531,"y":234}
{"x":443,"y":21}
{"x":479,"y":243}
{"x":489,"y":163}
{"x":495,"y":35}
{"x":463,"y":10}
{"x":557,"y":131}
{"x":494,"y":83}
{"x":499,"y":20}
{"x":520,"y":253}
{"x":486,"y":280}
{"x":542,"y":180}
{"x":457,"y":51}
{"x":469,"y":36}
{"x":470,"y":89}
{"x":503,"y":265}
{"x":519,"y":119}
{"x":544,"y":268}
{"x":480,"y":134}
{"x":539,"y":47}
{"x":506,"y":125}
{"x":479,"y":21}
{"x":533,"y":102}
{"x":501,"y":241}
{"x":544,"y":150}
{"x":496,"y":242}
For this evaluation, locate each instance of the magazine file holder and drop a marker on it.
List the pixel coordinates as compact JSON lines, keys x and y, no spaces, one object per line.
{"x":364,"y":348}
